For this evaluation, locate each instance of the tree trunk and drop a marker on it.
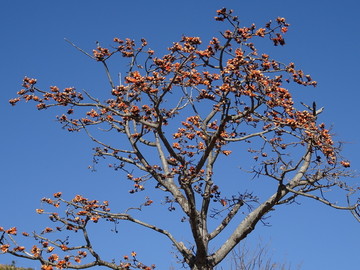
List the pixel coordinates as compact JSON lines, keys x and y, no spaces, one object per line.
{"x":202,"y":267}
{"x":202,"y":264}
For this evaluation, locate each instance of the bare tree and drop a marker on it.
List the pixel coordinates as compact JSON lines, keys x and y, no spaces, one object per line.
{"x":259,"y":258}
{"x":175,"y":118}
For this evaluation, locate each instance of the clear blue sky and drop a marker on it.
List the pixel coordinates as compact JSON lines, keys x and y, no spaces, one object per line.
{"x":38,"y":158}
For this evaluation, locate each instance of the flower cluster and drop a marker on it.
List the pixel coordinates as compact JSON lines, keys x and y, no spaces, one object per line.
{"x":132,"y":262}
{"x":100,"y":53}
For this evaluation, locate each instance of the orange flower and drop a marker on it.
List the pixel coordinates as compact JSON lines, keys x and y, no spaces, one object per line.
{"x":95,"y":218}
{"x":78,"y":198}
{"x":176,"y":146}
{"x":82,"y":253}
{"x":148,"y":202}
{"x":284,"y":29}
{"x":226,"y":152}
{"x":61,"y":264}
{"x":154,"y":90}
{"x":54,"y":89}
{"x":57,"y":194}
{"x":29,"y":80}
{"x":134,"y":110}
{"x":177,"y":135}
{"x":346,"y":164}
{"x":39,"y":211}
{"x":201,"y":146}
{"x":280,"y":20}
{"x":12,"y":231}
{"x":223,"y":202}
{"x":221,"y":11}
{"x":19,"y":248}
{"x":47,"y":230}
{"x":46,"y":267}
{"x":4,"y":248}
{"x":136,"y":135}
{"x":14,"y":100}
{"x":35,"y":250}
{"x":92,"y":113}
{"x":260,"y":32}
{"x":53,"y":258}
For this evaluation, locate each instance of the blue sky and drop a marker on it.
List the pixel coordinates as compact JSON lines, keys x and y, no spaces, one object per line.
{"x":39,"y":158}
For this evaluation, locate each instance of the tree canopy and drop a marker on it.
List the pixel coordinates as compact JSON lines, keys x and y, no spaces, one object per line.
{"x":170,"y":122}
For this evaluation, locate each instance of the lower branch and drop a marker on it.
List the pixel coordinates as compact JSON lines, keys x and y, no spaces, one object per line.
{"x":248,"y":225}
{"x":353,"y":207}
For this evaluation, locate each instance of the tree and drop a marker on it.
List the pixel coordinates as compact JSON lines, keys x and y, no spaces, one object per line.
{"x":177,"y":117}
{"x":244,"y":258}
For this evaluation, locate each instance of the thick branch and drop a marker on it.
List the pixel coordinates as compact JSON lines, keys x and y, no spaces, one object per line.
{"x":249,"y":223}
{"x":179,"y":245}
{"x":226,"y":220}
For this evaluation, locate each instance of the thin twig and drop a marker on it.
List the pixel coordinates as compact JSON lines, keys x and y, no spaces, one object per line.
{"x":81,"y":50}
